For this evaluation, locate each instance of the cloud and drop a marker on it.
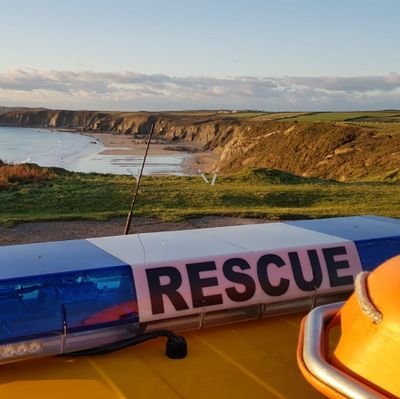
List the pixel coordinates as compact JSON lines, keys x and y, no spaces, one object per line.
{"x":133,"y":91}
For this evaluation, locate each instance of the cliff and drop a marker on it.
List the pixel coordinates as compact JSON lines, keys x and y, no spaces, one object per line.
{"x":171,"y":126}
{"x":341,"y":151}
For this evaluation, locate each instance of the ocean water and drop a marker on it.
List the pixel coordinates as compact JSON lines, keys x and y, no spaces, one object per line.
{"x":78,"y":153}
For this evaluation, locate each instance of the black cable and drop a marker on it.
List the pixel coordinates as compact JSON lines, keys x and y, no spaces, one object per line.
{"x":176,"y":347}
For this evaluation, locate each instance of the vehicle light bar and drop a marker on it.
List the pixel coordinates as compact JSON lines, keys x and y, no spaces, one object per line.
{"x":70,"y":296}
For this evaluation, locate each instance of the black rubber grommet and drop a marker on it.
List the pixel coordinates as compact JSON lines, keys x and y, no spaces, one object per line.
{"x":176,"y":347}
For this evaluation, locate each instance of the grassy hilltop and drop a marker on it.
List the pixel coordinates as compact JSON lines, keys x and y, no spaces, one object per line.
{"x":61,"y":195}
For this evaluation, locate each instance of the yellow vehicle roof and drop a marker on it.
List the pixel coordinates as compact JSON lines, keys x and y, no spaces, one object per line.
{"x":245,"y":360}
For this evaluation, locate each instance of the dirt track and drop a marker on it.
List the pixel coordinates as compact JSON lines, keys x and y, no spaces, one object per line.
{"x":55,"y":231}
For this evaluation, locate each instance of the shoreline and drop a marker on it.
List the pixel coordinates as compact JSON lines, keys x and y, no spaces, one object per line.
{"x":119,"y":144}
{"x":113,"y":146}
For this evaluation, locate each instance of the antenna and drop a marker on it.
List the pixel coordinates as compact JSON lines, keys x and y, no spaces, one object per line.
{"x":129,"y":218}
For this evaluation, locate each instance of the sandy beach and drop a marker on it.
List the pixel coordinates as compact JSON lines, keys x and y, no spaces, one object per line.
{"x":117,"y":144}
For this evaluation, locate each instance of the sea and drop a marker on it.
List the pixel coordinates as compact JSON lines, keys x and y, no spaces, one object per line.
{"x":78,"y":153}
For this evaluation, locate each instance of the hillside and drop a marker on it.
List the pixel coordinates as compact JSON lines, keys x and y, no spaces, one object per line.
{"x":335,"y":150}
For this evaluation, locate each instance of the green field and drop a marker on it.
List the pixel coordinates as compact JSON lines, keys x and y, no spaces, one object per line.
{"x":359,"y":116}
{"x":373,"y":116}
{"x":256,"y":193}
{"x":246,"y":115}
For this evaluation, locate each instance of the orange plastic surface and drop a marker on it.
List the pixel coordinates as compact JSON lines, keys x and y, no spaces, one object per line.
{"x":367,"y":351}
{"x":244,"y":360}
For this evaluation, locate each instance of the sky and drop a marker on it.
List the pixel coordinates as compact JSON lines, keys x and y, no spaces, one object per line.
{"x":271,"y":55}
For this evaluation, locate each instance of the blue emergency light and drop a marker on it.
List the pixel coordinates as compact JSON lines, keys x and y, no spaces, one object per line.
{"x":63,"y":297}
{"x":49,"y":305}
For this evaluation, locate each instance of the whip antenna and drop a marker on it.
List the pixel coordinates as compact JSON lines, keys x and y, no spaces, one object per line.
{"x":129,"y":218}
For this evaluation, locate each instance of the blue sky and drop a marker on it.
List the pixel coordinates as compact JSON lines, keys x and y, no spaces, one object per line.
{"x":177,"y":54}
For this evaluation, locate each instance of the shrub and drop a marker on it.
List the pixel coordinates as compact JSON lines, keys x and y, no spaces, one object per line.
{"x":11,"y":174}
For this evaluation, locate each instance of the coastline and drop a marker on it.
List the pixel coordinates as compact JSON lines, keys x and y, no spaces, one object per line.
{"x":118,"y":151}
{"x":119,"y":144}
